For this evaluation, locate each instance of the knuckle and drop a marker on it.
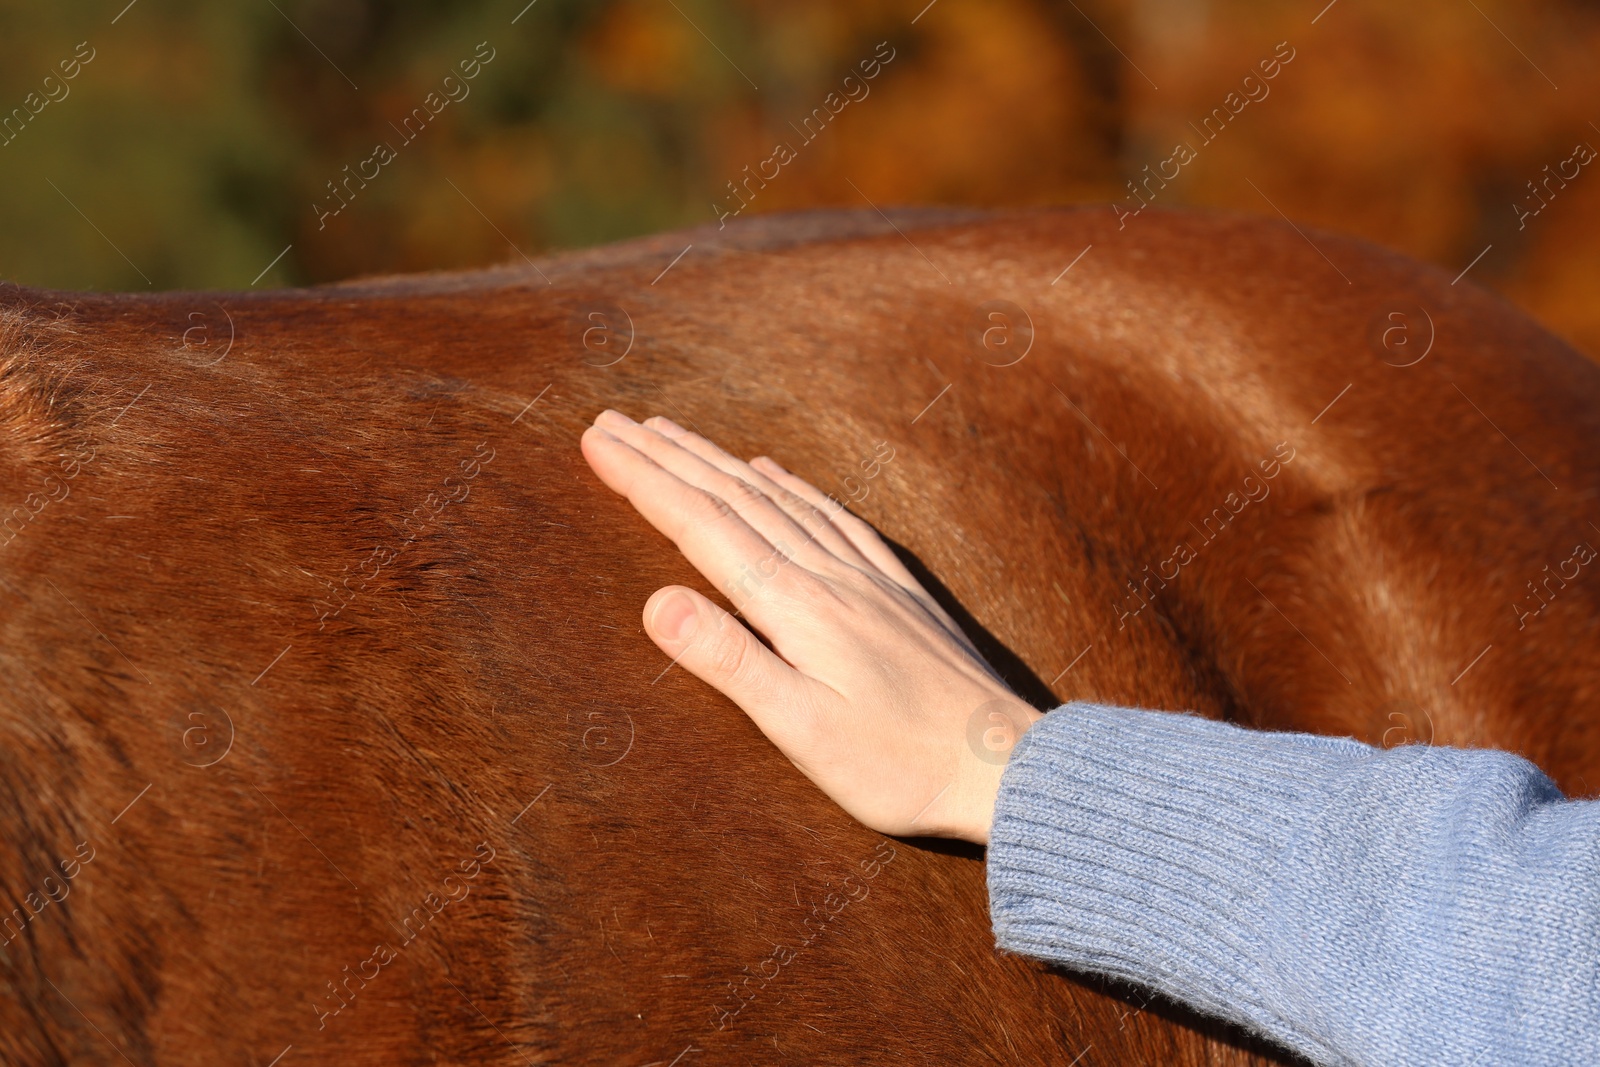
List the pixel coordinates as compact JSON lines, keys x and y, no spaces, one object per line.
{"x":739,"y":493}
{"x":731,"y":658}
{"x":812,"y":516}
{"x":812,"y":592}
{"x":825,"y":518}
{"x":711,"y":508}
{"x":794,"y":486}
{"x":863,"y":587}
{"x":860,"y":581}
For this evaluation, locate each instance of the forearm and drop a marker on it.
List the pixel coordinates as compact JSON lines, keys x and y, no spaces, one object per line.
{"x":1358,"y":905}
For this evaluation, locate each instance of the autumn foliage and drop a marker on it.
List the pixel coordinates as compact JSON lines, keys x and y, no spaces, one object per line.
{"x":201,"y":141}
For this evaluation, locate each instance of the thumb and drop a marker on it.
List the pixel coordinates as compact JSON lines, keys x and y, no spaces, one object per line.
{"x":715,"y":647}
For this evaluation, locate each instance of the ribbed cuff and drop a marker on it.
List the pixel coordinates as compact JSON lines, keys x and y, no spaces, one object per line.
{"x":1148,"y":846}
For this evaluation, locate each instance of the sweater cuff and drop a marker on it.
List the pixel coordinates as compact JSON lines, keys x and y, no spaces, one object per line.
{"x":1149,"y":846}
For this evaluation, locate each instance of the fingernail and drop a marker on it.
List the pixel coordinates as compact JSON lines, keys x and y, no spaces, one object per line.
{"x":772,"y":463}
{"x":616,"y":418}
{"x":675,"y":618}
{"x":668,"y":427}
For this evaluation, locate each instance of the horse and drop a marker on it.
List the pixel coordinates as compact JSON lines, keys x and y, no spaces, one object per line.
{"x":332,"y":733}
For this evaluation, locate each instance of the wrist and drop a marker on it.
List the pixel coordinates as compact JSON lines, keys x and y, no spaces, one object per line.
{"x":1003,"y":725}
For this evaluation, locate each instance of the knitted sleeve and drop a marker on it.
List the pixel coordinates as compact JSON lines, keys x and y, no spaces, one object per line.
{"x":1357,"y":905}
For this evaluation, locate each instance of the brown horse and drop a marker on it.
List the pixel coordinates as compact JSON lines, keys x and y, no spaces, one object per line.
{"x":330,"y":732}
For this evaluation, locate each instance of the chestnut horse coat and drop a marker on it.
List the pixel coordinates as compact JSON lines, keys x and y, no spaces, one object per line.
{"x":329,"y":732}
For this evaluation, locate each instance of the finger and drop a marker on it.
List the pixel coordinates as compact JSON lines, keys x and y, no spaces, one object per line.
{"x":709,"y":533}
{"x":744,"y":497}
{"x":714,"y":647}
{"x":808,"y":517}
{"x":866,"y":540}
{"x":858,"y":531}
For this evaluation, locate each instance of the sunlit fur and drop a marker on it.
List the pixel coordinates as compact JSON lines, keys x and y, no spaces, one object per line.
{"x":250,"y":531}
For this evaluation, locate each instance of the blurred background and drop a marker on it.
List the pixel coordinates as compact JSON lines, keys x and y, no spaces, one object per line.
{"x":170,"y":143}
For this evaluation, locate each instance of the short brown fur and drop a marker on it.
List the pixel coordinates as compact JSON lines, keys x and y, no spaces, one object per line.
{"x":425,"y":686}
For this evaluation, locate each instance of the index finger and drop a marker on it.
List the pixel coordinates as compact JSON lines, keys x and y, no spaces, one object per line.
{"x":707,"y":530}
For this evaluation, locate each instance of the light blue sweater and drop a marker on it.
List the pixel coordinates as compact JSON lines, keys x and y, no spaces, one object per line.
{"x":1358,"y":905}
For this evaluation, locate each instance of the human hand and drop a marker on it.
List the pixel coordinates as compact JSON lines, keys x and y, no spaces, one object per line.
{"x":870,"y":688}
